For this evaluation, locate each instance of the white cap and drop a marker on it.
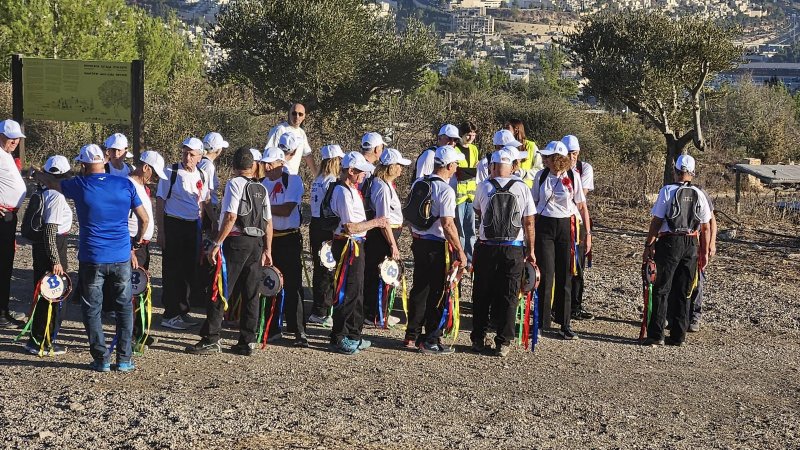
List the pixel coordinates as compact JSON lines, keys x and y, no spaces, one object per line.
{"x":685,"y":163}
{"x":193,"y":143}
{"x":91,"y":154}
{"x":502,"y":157}
{"x":288,"y":141}
{"x":449,"y":131}
{"x":128,"y":155}
{"x":505,"y":137}
{"x":391,"y":156}
{"x":446,"y":154}
{"x":272,"y":154}
{"x":11,"y":129}
{"x":554,"y":148}
{"x":571,"y":142}
{"x":156,"y":161}
{"x":256,"y":154}
{"x":117,"y":141}
{"x":214,"y":141}
{"x":56,"y":165}
{"x":355,"y":160}
{"x":371,"y":140}
{"x":515,"y":153}
{"x":331,"y":151}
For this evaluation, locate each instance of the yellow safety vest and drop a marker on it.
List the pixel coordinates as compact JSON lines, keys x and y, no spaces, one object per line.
{"x":532,"y":164}
{"x":465,"y":190}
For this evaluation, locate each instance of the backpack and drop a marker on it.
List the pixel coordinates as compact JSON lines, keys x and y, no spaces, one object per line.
{"x":683,"y":215}
{"x":329,"y":218}
{"x":503,"y":218}
{"x":250,"y":216}
{"x":173,"y":177}
{"x":417,"y":210}
{"x":32,"y":227}
{"x":366,"y":194}
{"x":579,"y":167}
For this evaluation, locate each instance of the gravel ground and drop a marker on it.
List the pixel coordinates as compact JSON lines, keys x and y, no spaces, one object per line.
{"x":735,"y":385}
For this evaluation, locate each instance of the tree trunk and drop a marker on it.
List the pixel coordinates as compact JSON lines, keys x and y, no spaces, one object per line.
{"x":672,"y":154}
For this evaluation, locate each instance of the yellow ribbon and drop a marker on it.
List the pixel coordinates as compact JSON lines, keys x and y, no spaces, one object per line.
{"x":47,"y":339}
{"x":221,"y":291}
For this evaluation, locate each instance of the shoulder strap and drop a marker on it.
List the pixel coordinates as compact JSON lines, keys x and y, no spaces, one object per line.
{"x":172,"y":178}
{"x":285,"y":179}
{"x":107,"y":167}
{"x":579,"y":167}
{"x":543,"y":175}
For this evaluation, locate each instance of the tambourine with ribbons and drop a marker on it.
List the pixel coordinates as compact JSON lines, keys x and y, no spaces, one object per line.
{"x":326,"y":258}
{"x":648,"y":280}
{"x":392,"y":277}
{"x":271,"y":281}
{"x":391,"y":271}
{"x":53,"y":289}
{"x":270,"y":287}
{"x":141,"y":293}
{"x":140,"y":281}
{"x":531,"y":276}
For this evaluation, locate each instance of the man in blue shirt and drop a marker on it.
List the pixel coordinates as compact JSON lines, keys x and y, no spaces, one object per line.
{"x":103,"y":203}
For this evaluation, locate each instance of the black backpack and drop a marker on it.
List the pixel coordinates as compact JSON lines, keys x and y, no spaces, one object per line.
{"x":417,"y":210}
{"x":683,"y":215}
{"x":329,"y":218}
{"x":32,"y":227}
{"x":250,"y":216}
{"x":366,"y":194}
{"x":173,"y":177}
{"x":432,"y":148}
{"x":503,"y":218}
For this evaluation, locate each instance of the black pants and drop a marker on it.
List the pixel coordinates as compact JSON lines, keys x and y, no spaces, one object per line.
{"x":577,"y":280}
{"x":41,"y":265}
{"x":377,"y":248}
{"x":322,"y":277}
{"x":143,"y":258}
{"x":287,"y":257}
{"x":498,"y":275}
{"x":676,"y":265}
{"x":426,"y":291}
{"x":243,"y":262}
{"x":696,"y":310}
{"x":552,"y":250}
{"x":8,"y":228}
{"x":348,"y":318}
{"x":180,"y":265}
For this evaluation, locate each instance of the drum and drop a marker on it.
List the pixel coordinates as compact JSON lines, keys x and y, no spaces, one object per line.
{"x":649,"y":272}
{"x":530,"y":277}
{"x":272,"y":283}
{"x":140,"y":279}
{"x":55,"y":288}
{"x":326,"y":256}
{"x":391,"y":271}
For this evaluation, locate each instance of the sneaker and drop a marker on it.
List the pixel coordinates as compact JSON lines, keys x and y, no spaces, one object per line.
{"x":364,"y":344}
{"x":99,"y":365}
{"x":175,"y":323}
{"x":54,"y":350}
{"x":410,"y":344}
{"x":150,"y":341}
{"x":125,"y":366}
{"x":653,"y":342}
{"x":301,"y":341}
{"x":242,"y":348}
{"x":347,"y":346}
{"x":478,"y":347}
{"x":567,"y":334}
{"x":188,"y":320}
{"x":320,"y":320}
{"x":392,"y":320}
{"x":675,"y":343}
{"x":694,"y":326}
{"x":435,"y":349}
{"x":582,"y":314}
{"x":503,"y":351}
{"x":275,"y":337}
{"x":204,"y":348}
{"x":369,"y":323}
{"x":10,"y":319}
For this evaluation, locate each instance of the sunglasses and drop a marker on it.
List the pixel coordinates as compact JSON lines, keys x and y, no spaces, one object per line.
{"x":298,"y":114}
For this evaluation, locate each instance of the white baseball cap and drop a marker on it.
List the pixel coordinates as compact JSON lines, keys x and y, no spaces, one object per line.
{"x":554,"y":148}
{"x":272,"y":154}
{"x":256,"y":154}
{"x":446,"y":154}
{"x":685,"y":163}
{"x":56,"y":165}
{"x":117,"y":141}
{"x":91,"y":154}
{"x":504,"y":138}
{"x":514,"y":152}
{"x":391,"y":156}
{"x":214,"y":141}
{"x":193,"y":143}
{"x":288,"y":141}
{"x":156,"y":161}
{"x":355,"y":160}
{"x":571,"y":142}
{"x":449,"y":131}
{"x":502,"y":157}
{"x":331,"y":151}
{"x":11,"y":129}
{"x":371,"y":140}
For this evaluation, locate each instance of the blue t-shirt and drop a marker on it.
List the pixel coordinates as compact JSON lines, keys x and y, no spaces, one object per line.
{"x":103,"y":203}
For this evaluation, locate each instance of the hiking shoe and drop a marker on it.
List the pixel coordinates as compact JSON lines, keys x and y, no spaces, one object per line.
{"x":175,"y":323}
{"x":10,"y":319}
{"x":435,"y":349}
{"x":125,"y":366}
{"x":478,"y":347}
{"x":324,"y":321}
{"x":582,"y":314}
{"x":204,"y":348}
{"x":99,"y":365}
{"x":503,"y":351}
{"x":653,"y":342}
{"x":567,"y":334}
{"x":242,"y":348}
{"x":410,"y":344}
{"x":364,"y":344}
{"x":694,"y":326}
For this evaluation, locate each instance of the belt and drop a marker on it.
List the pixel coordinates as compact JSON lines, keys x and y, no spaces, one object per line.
{"x":503,"y":243}
{"x":397,"y":226}
{"x":427,"y":237}
{"x":281,"y":233}
{"x":670,"y":233}
{"x":181,"y":218}
{"x":344,"y":237}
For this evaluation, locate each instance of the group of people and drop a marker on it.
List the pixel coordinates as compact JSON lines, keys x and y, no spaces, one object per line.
{"x":490,"y":214}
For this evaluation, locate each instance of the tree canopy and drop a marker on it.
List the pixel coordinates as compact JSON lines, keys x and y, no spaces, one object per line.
{"x":327,"y":54}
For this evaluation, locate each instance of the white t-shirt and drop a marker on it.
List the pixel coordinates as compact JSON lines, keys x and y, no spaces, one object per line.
{"x":664,"y":200}
{"x":347,"y":204}
{"x":123,"y":172}
{"x":386,"y":202}
{"x":133,"y":221}
{"x":187,"y":193}
{"x":279,"y":195}
{"x":482,"y":171}
{"x":443,"y":204}
{"x":553,"y":198}
{"x":292,"y":162}
{"x":483,"y":196}
{"x":587,"y":175}
{"x":234,"y":191}
{"x":12,"y":186}
{"x":213,"y":180}
{"x":425,"y":163}
{"x":318,"y":189}
{"x":56,"y":210}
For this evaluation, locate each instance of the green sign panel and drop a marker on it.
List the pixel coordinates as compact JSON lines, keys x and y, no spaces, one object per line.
{"x":76,"y":91}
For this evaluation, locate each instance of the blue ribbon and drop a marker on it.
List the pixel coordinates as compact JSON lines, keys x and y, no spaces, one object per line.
{"x":444,"y":312}
{"x":280,"y":314}
{"x":429,"y":237}
{"x":504,"y":243}
{"x":380,"y":301}
{"x":535,"y":328}
{"x":224,"y":274}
